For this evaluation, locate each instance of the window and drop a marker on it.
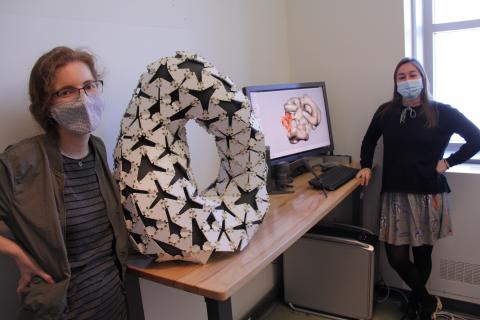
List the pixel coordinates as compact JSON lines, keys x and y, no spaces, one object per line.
{"x":446,"y":39}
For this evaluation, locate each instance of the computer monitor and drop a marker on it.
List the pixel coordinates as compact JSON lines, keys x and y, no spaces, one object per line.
{"x":294,"y":118}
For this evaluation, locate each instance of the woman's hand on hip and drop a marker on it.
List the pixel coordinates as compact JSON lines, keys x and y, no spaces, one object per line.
{"x":442,"y":166}
{"x":27,"y":267}
{"x":364,"y":175}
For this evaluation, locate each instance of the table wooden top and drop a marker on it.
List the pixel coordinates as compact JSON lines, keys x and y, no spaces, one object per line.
{"x":290,"y":216}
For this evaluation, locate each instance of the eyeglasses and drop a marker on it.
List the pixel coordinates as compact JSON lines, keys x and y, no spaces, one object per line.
{"x":91,"y":89}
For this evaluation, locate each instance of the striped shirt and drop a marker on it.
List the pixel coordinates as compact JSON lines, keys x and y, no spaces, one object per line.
{"x":95,"y":290}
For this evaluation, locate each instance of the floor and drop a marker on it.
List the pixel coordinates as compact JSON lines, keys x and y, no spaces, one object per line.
{"x":388,"y":310}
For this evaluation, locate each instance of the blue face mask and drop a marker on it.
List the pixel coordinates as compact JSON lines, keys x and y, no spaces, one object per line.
{"x":410,"y":89}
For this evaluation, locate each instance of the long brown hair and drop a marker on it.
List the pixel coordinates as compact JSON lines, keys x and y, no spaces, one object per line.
{"x":42,"y":77}
{"x":428,"y":104}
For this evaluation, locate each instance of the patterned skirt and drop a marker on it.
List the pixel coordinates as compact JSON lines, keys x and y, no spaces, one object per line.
{"x":414,"y":219}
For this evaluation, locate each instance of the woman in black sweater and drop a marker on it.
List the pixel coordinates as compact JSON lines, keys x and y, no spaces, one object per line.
{"x":414,"y":210}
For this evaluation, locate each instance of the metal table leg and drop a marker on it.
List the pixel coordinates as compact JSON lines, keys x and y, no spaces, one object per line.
{"x":219,"y":310}
{"x":134,"y":297}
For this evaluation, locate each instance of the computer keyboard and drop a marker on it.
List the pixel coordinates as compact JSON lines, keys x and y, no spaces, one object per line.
{"x":333,"y":178}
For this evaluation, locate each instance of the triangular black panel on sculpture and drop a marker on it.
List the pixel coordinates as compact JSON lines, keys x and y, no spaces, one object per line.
{"x":204,"y":96}
{"x":143,"y":141}
{"x":147,"y":166}
{"x":209,"y":122}
{"x":180,"y":173}
{"x":224,"y":207}
{"x":127,"y":214}
{"x":160,"y":194}
{"x":198,"y":238}
{"x":166,"y":150}
{"x":147,"y":222}
{"x":162,"y":73}
{"x":194,"y":66}
{"x":180,"y":114}
{"x":136,"y":119}
{"x":223,"y":232}
{"x":174,"y":95}
{"x":143,"y":94}
{"x":127,"y":190}
{"x":126,"y":165}
{"x":230,"y":107}
{"x":168,"y":248}
{"x":137,"y":238}
{"x":248,"y":197}
{"x":154,"y":109}
{"x":173,"y":227}
{"x":226,"y":85}
{"x":176,"y":135}
{"x":243,"y":226}
{"x":189,"y":203}
{"x":211,"y":219}
{"x":239,"y":245}
{"x":253,"y":133}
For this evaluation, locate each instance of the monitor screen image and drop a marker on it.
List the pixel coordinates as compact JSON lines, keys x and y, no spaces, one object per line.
{"x":294,"y":118}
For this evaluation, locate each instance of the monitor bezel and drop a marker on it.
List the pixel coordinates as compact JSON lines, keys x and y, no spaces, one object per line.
{"x":300,"y":85}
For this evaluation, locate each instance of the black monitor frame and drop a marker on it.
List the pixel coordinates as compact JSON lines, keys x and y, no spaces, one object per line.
{"x":326,"y":150}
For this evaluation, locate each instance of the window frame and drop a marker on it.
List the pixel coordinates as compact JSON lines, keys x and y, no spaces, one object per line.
{"x":419,"y":31}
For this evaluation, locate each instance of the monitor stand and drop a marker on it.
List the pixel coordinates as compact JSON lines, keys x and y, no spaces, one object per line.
{"x":279,"y":179}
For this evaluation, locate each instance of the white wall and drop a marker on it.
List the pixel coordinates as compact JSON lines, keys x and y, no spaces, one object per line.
{"x":244,"y":39}
{"x":353,"y":46}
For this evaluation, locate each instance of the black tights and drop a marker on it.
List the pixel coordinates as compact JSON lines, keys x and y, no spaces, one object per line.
{"x":416,"y":273}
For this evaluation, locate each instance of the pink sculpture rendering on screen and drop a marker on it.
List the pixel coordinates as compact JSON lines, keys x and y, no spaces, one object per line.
{"x":302,"y":115}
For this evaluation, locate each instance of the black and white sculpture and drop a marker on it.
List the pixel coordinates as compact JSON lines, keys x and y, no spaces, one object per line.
{"x":167,"y":215}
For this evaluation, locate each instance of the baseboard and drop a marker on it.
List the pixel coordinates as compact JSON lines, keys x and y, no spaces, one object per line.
{"x":461,"y":306}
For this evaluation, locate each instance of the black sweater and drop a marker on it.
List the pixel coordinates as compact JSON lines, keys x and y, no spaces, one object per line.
{"x":411,"y":151}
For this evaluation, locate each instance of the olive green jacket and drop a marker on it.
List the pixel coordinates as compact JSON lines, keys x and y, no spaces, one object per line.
{"x":31,"y":204}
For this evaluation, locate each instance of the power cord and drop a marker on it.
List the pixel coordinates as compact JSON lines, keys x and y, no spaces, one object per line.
{"x":324,"y":191}
{"x":387,"y":294}
{"x":445,"y":315}
{"x":310,"y":168}
{"x":440,"y":315}
{"x":381,"y":283}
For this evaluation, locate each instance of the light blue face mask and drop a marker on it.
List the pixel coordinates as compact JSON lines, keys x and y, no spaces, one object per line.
{"x":410,"y":89}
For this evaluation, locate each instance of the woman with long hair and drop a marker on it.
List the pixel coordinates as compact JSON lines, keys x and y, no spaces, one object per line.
{"x":414,"y":209}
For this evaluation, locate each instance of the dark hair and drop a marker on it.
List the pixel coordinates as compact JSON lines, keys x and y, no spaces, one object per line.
{"x":428,"y":104}
{"x":42,"y":77}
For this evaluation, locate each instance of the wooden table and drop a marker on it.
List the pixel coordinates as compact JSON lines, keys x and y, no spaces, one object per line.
{"x":290,"y":216}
